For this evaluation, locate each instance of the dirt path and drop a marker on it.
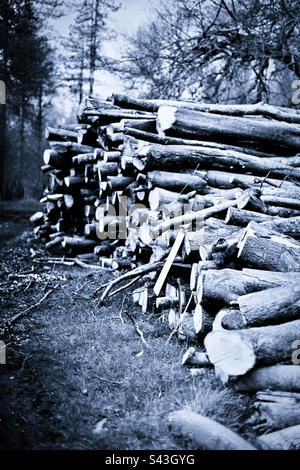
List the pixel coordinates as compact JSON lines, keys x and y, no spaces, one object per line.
{"x":77,"y":376}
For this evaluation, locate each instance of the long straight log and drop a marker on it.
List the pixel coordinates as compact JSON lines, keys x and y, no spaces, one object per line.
{"x":290,"y":203}
{"x":106,"y":116}
{"x":226,"y":179}
{"x":160,"y":197}
{"x":84,"y":158}
{"x":278,"y":377}
{"x":78,"y":243}
{"x":285,"y":439}
{"x":167,"y":140}
{"x":52,"y":133}
{"x":273,"y":277}
{"x":266,"y":110}
{"x":71,"y":147}
{"x":275,"y":410}
{"x":166,"y":157}
{"x":287,"y":226}
{"x":237,"y":352}
{"x":275,"y":305}
{"x":190,"y":217}
{"x":141,"y":126}
{"x":196,"y":124}
{"x":226,"y":285}
{"x":242,"y":217}
{"x":265,"y":249}
{"x":184,"y":182}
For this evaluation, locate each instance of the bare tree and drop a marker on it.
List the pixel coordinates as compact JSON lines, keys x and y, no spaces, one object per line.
{"x":218,"y":50}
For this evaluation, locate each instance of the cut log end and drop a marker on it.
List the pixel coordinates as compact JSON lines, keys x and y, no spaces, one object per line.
{"x":165,"y":117}
{"x":229,"y":352}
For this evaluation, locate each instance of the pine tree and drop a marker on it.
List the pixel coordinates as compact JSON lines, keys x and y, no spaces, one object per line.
{"x":26,"y":66}
{"x":84,"y":43}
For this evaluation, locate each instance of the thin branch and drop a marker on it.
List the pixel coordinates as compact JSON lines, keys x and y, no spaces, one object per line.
{"x":19,"y":315}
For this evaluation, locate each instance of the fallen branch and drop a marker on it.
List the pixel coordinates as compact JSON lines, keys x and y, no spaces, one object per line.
{"x":27,"y":310}
{"x":139,"y":271}
{"x":137,"y":329}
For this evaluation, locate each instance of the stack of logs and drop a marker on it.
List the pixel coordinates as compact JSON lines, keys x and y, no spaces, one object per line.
{"x":201,"y":202}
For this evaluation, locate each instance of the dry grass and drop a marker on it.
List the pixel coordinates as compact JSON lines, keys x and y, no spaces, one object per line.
{"x":72,"y":365}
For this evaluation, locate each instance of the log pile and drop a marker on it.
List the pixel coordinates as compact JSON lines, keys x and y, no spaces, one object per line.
{"x":202,"y":203}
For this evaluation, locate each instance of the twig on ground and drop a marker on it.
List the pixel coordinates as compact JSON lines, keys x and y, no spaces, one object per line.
{"x":82,"y":287}
{"x":91,"y":266}
{"x":137,"y":329}
{"x":108,"y":381}
{"x":19,"y":315}
{"x":122,"y":306}
{"x":51,"y":274}
{"x":139,"y":271}
{"x":125,"y":287}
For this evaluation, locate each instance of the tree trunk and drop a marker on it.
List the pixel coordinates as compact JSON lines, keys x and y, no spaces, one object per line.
{"x":188,"y":218}
{"x":266,"y":110}
{"x":270,"y":306}
{"x":208,"y":434}
{"x":242,"y":217}
{"x":196,"y":124}
{"x":181,"y":182}
{"x":272,"y":415}
{"x":226,"y":179}
{"x":226,"y":285}
{"x":237,"y":352}
{"x":285,"y":439}
{"x":264,"y":249}
{"x":279,"y":377}
{"x":60,"y":134}
{"x":166,"y":157}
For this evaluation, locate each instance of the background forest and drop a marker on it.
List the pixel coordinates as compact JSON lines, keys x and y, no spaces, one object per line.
{"x":55,"y":52}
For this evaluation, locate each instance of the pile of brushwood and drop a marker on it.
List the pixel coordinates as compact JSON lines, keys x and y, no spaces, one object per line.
{"x":202,"y":202}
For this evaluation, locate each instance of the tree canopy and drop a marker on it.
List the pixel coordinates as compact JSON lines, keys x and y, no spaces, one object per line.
{"x":218,"y":50}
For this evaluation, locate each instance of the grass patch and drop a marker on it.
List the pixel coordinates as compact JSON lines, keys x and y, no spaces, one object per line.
{"x":75,"y":378}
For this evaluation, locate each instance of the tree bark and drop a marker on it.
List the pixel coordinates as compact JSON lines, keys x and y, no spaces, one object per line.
{"x":264,"y":249}
{"x":278,"y":377}
{"x":197,"y":124}
{"x":181,"y":182}
{"x":285,"y":439}
{"x":270,"y":416}
{"x":270,"y":306}
{"x":63,"y":135}
{"x":266,"y":110}
{"x":164,"y":157}
{"x":226,"y":285}
{"x":208,"y":434}
{"x":237,"y":352}
{"x":190,"y":217}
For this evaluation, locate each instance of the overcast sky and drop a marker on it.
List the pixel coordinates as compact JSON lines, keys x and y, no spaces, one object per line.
{"x":131,"y":15}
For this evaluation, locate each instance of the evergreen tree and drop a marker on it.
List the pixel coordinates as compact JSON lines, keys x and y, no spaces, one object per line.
{"x":26,"y":66}
{"x":83,"y":45}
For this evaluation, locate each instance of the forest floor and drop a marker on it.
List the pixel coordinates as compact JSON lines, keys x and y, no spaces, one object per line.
{"x":77,"y":375}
